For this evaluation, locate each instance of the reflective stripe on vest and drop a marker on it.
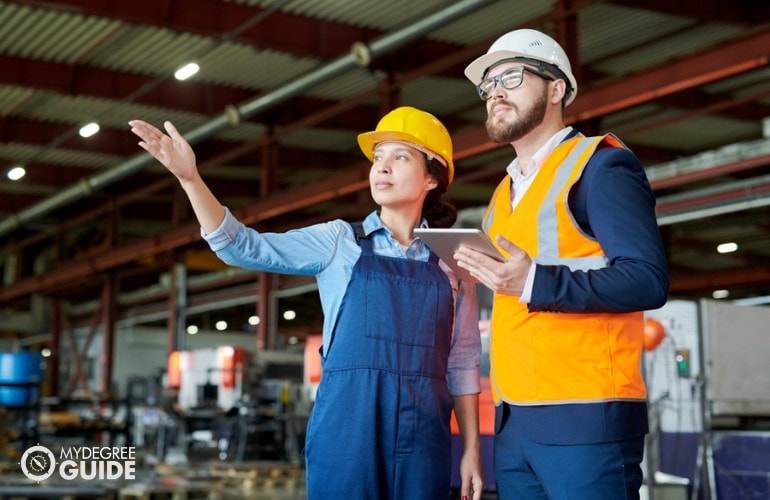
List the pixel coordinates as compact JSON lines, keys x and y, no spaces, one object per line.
{"x":557,"y":358}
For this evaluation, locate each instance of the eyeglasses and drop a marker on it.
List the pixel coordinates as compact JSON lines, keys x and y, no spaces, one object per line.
{"x":508,"y":79}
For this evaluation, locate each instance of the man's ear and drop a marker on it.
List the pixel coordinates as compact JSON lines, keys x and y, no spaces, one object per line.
{"x":559,"y":89}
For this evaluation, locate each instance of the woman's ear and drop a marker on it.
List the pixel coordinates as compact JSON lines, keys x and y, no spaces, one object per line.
{"x":431,"y":183}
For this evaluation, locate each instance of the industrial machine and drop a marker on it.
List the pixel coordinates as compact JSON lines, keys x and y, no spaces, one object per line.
{"x":709,"y":398}
{"x":227,"y":403}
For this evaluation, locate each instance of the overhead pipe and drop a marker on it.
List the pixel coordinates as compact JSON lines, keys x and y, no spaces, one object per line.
{"x":715,"y":200}
{"x":359,"y":56}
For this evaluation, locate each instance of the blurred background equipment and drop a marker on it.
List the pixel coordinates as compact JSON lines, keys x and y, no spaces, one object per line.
{"x":709,"y":399}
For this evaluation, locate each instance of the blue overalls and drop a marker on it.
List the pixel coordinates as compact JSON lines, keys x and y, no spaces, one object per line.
{"x":379,"y":428}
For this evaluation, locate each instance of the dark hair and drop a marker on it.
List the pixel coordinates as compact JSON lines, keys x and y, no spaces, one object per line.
{"x":436,"y":211}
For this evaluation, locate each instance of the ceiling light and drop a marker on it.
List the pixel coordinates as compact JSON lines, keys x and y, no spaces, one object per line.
{"x":254,"y":320}
{"x":192,"y":330}
{"x":16,"y":173}
{"x":45,"y":352}
{"x":89,"y":129}
{"x":221,"y":325}
{"x":186,"y":71}
{"x":727,"y":247}
{"x":289,"y":315}
{"x":720,"y":294}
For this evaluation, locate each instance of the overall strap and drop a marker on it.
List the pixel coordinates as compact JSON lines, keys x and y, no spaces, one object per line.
{"x":358,"y":229}
{"x":362,"y":239}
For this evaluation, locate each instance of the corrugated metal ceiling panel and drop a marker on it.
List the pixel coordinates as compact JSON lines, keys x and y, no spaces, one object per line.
{"x":79,"y":158}
{"x":50,"y":36}
{"x":620,"y":40}
{"x":379,"y":15}
{"x":159,"y":53}
{"x":697,"y":39}
{"x":27,"y":188}
{"x":351,"y":83}
{"x":243,"y":133}
{"x":242,"y":66}
{"x":742,"y":85}
{"x":455,"y":95}
{"x":339,"y":141}
{"x":148,"y":50}
{"x":63,"y":157}
{"x":498,"y":17}
{"x":12,"y":98}
{"x":13,"y":150}
{"x":491,"y":21}
{"x":51,"y":107}
{"x":697,"y":134}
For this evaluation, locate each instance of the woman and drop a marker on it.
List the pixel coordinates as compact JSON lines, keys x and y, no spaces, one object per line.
{"x":400,"y":340}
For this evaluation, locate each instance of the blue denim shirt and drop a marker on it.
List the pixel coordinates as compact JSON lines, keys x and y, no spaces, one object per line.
{"x":329,"y":251}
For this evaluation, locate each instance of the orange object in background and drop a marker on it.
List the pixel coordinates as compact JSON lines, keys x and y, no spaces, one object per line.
{"x":312,"y":375}
{"x":232,"y":362}
{"x":654,"y":333}
{"x":174,"y":370}
{"x":219,"y":370}
{"x":313,"y":358}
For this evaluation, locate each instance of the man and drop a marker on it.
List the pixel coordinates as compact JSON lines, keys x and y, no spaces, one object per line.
{"x":576,"y":215}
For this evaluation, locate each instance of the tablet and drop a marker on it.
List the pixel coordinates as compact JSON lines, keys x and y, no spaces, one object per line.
{"x":445,"y":241}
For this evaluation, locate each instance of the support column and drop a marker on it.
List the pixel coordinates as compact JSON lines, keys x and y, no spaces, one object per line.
{"x":109,"y":313}
{"x":268,"y":181}
{"x":390,"y":94}
{"x":177,"y":290}
{"x":566,"y":33}
{"x":265,"y":288}
{"x":53,"y":364}
{"x":177,"y":305}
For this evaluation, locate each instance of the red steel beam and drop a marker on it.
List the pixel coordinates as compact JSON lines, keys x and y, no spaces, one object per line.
{"x":689,"y":283}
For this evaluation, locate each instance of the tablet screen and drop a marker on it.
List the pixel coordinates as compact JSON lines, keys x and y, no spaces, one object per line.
{"x":444,"y":242}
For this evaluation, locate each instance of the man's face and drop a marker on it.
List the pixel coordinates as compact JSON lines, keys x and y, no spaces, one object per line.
{"x":514,"y":113}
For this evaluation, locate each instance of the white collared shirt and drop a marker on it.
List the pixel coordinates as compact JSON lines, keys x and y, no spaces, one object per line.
{"x":521,"y":182}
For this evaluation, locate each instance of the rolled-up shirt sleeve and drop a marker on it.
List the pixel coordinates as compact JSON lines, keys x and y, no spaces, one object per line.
{"x":465,"y":353}
{"x":305,"y":251}
{"x":224,"y":234}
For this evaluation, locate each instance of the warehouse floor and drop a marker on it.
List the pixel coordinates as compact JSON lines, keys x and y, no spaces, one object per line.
{"x":211,"y":481}
{"x":252,"y":480}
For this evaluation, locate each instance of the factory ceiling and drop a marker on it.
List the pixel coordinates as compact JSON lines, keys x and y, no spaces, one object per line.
{"x":283,"y":89}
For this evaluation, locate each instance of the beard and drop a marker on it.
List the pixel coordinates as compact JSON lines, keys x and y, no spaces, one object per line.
{"x":503,"y":132}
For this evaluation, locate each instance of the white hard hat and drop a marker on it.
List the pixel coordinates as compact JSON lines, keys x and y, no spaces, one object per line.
{"x":529,"y":46}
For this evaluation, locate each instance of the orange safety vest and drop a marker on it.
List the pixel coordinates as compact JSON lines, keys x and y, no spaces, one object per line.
{"x":559,"y":358}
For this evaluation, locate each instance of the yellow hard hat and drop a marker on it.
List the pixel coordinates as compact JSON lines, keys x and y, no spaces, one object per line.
{"x":418,"y":128}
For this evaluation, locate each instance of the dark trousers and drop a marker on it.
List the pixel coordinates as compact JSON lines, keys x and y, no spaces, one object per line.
{"x":527,"y":470}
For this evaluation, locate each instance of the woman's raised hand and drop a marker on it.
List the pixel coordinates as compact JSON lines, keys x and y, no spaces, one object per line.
{"x":172,"y":150}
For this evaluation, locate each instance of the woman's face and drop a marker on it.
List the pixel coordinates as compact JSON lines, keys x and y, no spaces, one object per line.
{"x":398,"y":176}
